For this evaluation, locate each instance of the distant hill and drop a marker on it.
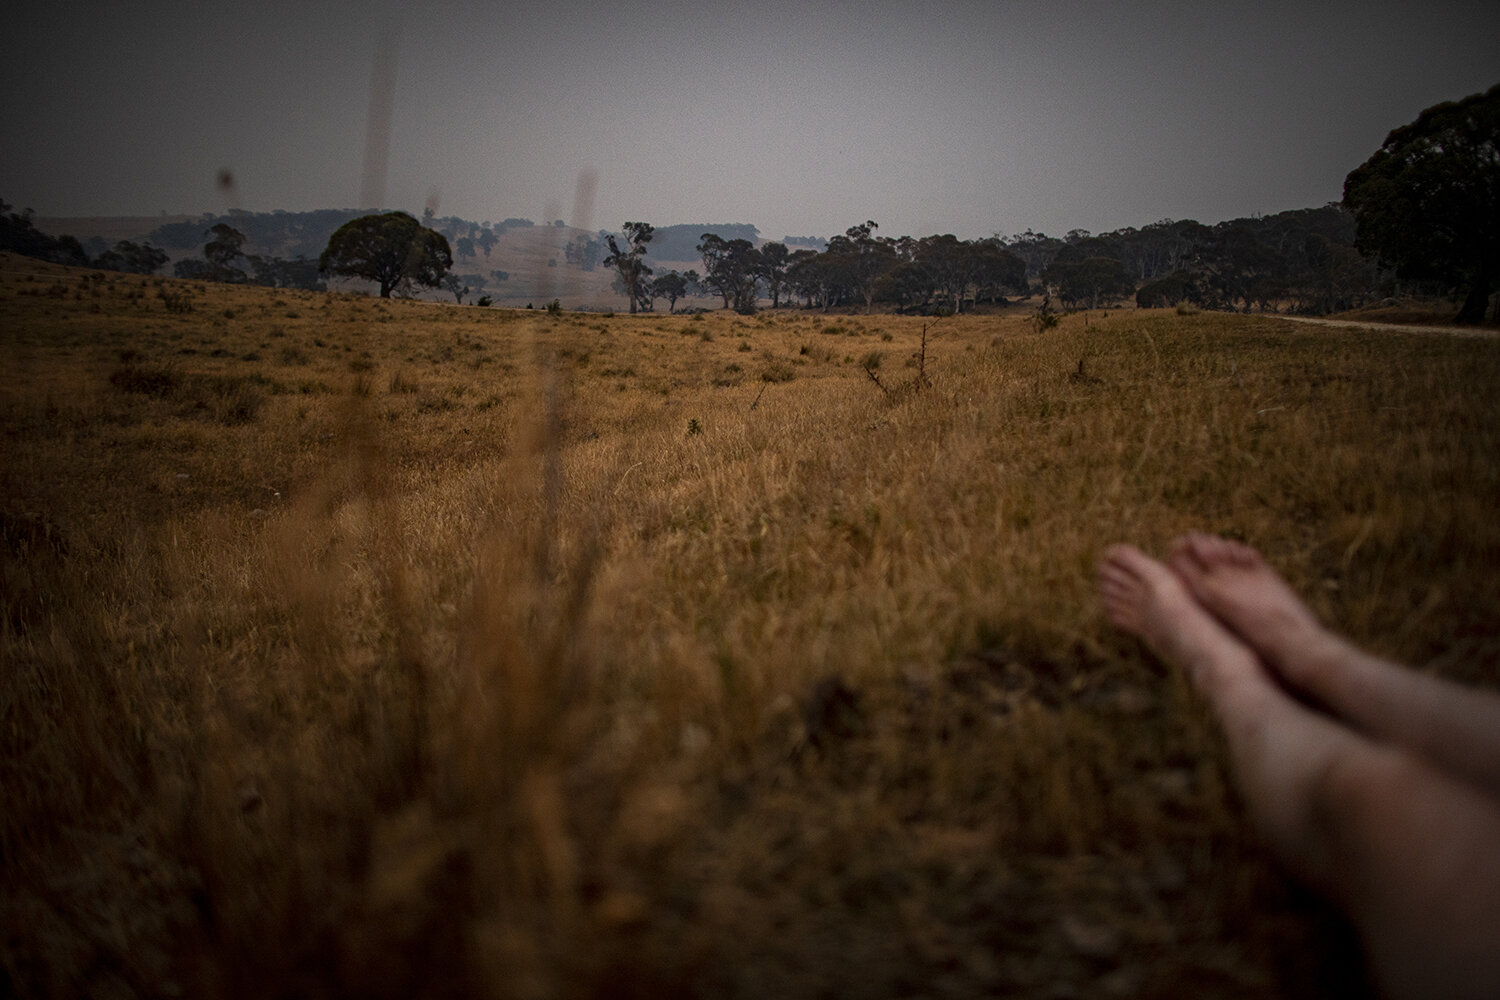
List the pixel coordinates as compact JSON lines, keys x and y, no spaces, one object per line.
{"x":525,"y":263}
{"x":680,"y":243}
{"x":279,"y":234}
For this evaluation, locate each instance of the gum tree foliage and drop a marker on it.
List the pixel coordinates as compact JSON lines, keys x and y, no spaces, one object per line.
{"x":629,"y":261}
{"x":1084,"y":273}
{"x":1427,"y":203}
{"x":1179,"y":286}
{"x":958,"y":270}
{"x":814,"y":277}
{"x":224,"y":246}
{"x":670,"y":286}
{"x":274,"y":272}
{"x":132,"y":258}
{"x":584,"y":252}
{"x":19,"y":235}
{"x":774,"y":259}
{"x":941,"y":273}
{"x":290,"y":234}
{"x":860,"y":258}
{"x":457,"y":285}
{"x":391,"y":249}
{"x":731,"y":269}
{"x":998,"y":271}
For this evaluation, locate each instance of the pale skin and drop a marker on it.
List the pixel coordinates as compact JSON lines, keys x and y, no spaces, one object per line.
{"x":1386,"y":796}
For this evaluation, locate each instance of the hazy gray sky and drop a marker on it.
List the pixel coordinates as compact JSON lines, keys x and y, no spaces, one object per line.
{"x":802,"y":118}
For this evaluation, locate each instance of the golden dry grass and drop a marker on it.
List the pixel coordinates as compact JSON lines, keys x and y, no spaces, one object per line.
{"x":361,"y":647}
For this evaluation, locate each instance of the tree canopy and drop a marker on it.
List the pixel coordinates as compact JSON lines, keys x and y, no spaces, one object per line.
{"x":132,"y":258}
{"x":19,"y":235}
{"x":629,"y":262}
{"x":670,"y":286}
{"x":732,"y":269}
{"x":391,"y":249}
{"x":1427,"y":202}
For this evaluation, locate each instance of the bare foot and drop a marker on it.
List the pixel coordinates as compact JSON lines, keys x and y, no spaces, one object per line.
{"x":1404,"y":846}
{"x":1453,"y":727}
{"x":1233,"y":582}
{"x":1279,"y":749}
{"x":1148,"y":600}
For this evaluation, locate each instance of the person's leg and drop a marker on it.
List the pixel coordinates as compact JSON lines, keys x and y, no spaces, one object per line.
{"x":1455,"y":728}
{"x":1280,"y":751}
{"x":1408,"y":851}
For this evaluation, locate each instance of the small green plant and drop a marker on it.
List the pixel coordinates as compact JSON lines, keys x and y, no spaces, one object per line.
{"x":694,"y":427}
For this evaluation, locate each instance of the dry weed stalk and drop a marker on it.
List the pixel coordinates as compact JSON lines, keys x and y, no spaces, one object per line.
{"x":918,"y":382}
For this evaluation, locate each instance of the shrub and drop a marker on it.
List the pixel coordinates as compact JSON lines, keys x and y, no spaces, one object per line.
{"x":777,"y":371}
{"x":175,"y":301}
{"x":231,"y":400}
{"x":228,"y":399}
{"x":158,"y":383}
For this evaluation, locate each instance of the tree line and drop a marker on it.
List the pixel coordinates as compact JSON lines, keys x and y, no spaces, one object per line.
{"x":223,"y":258}
{"x":1418,"y":216}
{"x":1304,"y":259}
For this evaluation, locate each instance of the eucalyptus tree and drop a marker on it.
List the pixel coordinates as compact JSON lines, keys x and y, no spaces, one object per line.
{"x":629,"y":262}
{"x":1427,"y":201}
{"x":391,"y":249}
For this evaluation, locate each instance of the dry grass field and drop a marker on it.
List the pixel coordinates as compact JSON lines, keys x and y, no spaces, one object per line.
{"x":375,"y":648}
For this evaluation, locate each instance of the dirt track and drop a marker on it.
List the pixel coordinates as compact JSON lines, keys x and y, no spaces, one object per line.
{"x":1487,"y":333}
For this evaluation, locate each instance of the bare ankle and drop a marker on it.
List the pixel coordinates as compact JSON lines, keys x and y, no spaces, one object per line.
{"x":1315,"y":661}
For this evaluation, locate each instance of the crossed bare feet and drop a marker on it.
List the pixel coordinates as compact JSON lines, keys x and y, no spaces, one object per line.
{"x":1386,"y":795}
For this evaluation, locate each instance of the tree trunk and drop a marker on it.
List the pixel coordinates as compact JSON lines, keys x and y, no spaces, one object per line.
{"x":1475,"y":303}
